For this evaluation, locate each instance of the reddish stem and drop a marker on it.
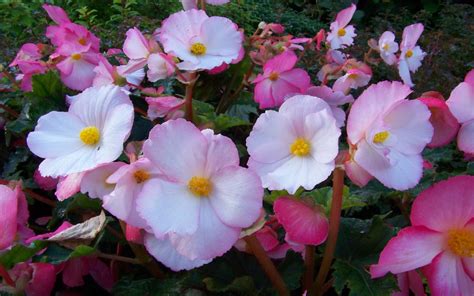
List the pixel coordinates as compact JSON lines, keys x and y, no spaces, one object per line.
{"x":308,"y":276}
{"x":189,"y":97}
{"x":4,"y":274}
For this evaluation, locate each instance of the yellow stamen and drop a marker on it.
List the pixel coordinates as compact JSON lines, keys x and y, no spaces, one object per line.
{"x":409,"y":53}
{"x":341,"y":32}
{"x":352,"y":76}
{"x":381,"y":137}
{"x":274,"y":76}
{"x":141,"y":176}
{"x":76,"y":56}
{"x":386,"y":47}
{"x":90,"y":135}
{"x":82,"y":41}
{"x":198,"y":49}
{"x":200,"y":187}
{"x":300,"y":147}
{"x":461,"y":242}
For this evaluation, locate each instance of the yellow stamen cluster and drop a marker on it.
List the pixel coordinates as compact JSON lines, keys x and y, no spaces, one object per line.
{"x":385,"y":47}
{"x":90,"y":135}
{"x":198,"y":49}
{"x":300,"y":147}
{"x":409,"y":53}
{"x":82,"y":41}
{"x":76,"y":56}
{"x":381,"y":137}
{"x":341,"y":32}
{"x":141,"y":176}
{"x":461,"y":242}
{"x":274,"y":76}
{"x":200,"y":187}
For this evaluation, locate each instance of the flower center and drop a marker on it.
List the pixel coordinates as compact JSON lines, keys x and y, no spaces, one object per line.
{"x":82,"y":41}
{"x":274,"y":76}
{"x":141,"y":176}
{"x":341,"y":32}
{"x":381,"y":137}
{"x":300,"y":147}
{"x":199,"y":186}
{"x":385,"y":47}
{"x":409,"y":53}
{"x":352,"y":76}
{"x":76,"y":56}
{"x":90,"y":135}
{"x":198,"y":49}
{"x":461,"y":242}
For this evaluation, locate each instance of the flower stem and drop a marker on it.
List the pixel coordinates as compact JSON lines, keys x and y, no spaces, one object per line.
{"x":309,"y":267}
{"x":118,"y":258}
{"x":189,"y":97}
{"x":334,"y":221}
{"x":267,"y":264}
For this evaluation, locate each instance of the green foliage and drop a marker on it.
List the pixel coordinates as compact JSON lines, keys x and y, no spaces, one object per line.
{"x":20,"y":253}
{"x":56,"y":254}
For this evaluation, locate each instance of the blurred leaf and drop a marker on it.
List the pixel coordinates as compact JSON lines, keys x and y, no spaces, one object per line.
{"x":242,"y":284}
{"x":20,"y":253}
{"x":56,"y":254}
{"x":291,"y":269}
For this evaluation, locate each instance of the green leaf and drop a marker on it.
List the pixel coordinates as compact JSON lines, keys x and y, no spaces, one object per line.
{"x":56,"y":254}
{"x":358,"y":280}
{"x":20,"y":253}
{"x":242,"y":284}
{"x":291,"y":269}
{"x":323,"y":197}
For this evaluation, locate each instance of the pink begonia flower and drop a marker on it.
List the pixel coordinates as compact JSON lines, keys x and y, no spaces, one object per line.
{"x":94,"y":182}
{"x":69,"y":185}
{"x":334,"y":100}
{"x":75,"y":269}
{"x":192,"y":4}
{"x":106,"y":74}
{"x":304,"y":223}
{"x":91,"y":133}
{"x":411,"y":55}
{"x":354,"y":78}
{"x":28,"y":60}
{"x":356,"y":173}
{"x":280,"y":79}
{"x":213,"y":197}
{"x":441,"y":239}
{"x":45,"y":183}
{"x":341,"y":34}
{"x":319,"y":38}
{"x":444,"y":123}
{"x":388,"y":133}
{"x":295,"y":146}
{"x":13,"y":216}
{"x":32,"y":279}
{"x":461,"y":104}
{"x":160,"y":107}
{"x":129,"y":181}
{"x":134,"y":234}
{"x":141,"y":52}
{"x":388,"y":47}
{"x":77,"y":70}
{"x":410,"y":281}
{"x":200,"y":41}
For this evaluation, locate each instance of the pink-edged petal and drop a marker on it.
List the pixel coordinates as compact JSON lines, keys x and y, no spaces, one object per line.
{"x":221,"y":152}
{"x":466,"y":137}
{"x":444,"y":123}
{"x":236,"y":196}
{"x":373,"y":102}
{"x":101,"y":273}
{"x":297,"y":77}
{"x":61,"y":228}
{"x":281,"y":63}
{"x":400,"y":172}
{"x":8,"y":213}
{"x":404,"y":73}
{"x":413,"y":247}
{"x":73,"y":272}
{"x":168,"y":207}
{"x":212,"y":237}
{"x":409,"y":122}
{"x":165,"y":252}
{"x":323,"y":134}
{"x":446,"y":205}
{"x":461,"y":102}
{"x":469,"y":79}
{"x":446,"y":276}
{"x":134,"y":234}
{"x":57,"y":14}
{"x":135,"y":45}
{"x":302,"y":223}
{"x":357,"y":174}
{"x":42,"y":280}
{"x":410,"y":36}
{"x":344,"y":16}
{"x":281,"y":89}
{"x":95,"y":183}
{"x":69,"y":185}
{"x":169,"y":146}
{"x":81,"y":76}
{"x":221,"y":38}
{"x":271,"y":138}
{"x":263,"y":94}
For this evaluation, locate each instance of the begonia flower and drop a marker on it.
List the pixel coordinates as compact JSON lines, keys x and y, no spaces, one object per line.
{"x":106,"y":74}
{"x":45,"y":183}
{"x":461,"y":104}
{"x":342,"y":35}
{"x":28,"y":60}
{"x":358,"y":75}
{"x":213,"y":197}
{"x":444,"y":123}
{"x":32,"y":279}
{"x":388,"y":47}
{"x":200,"y":41}
{"x":440,"y":240}
{"x":91,"y":133}
{"x":304,"y":223}
{"x":279,"y":80}
{"x":388,"y":134}
{"x":334,"y":100}
{"x":167,"y":106}
{"x":295,"y":146}
{"x":94,"y":182}
{"x":411,"y":55}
